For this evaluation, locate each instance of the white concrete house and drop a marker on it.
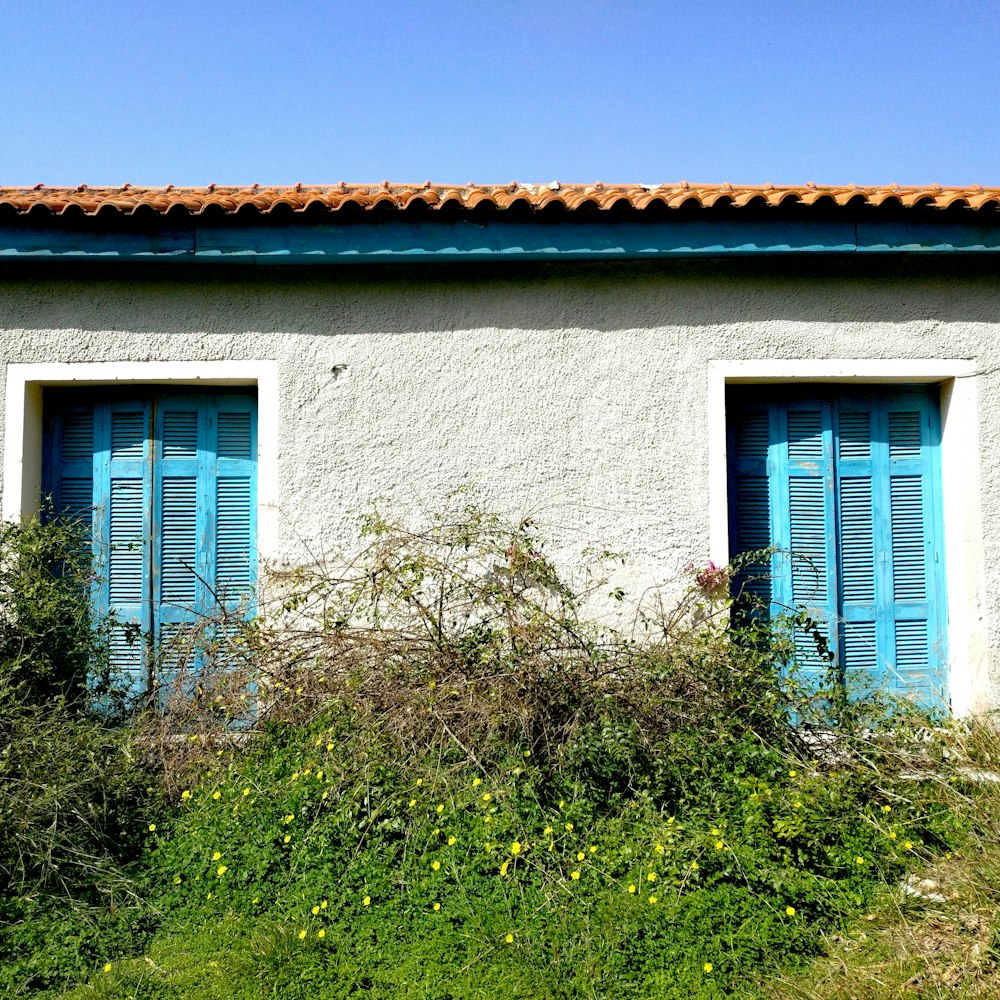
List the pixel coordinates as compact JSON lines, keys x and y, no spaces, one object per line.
{"x":223,"y":375}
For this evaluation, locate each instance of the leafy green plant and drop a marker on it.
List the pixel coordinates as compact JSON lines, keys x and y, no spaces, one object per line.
{"x":72,"y":787}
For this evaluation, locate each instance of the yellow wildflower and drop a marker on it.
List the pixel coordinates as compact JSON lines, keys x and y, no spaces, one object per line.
{"x":527,"y":753}
{"x":908,"y":845}
{"x":315,"y":911}
{"x":177,"y":880}
{"x":515,"y":848}
{"x":436,"y":865}
{"x":652,"y":900}
{"x":719,"y":845}
{"x":367,"y":901}
{"x":107,"y":967}
{"x":152,"y":827}
{"x":437,"y":907}
{"x":707,"y":967}
{"x":216,"y":795}
{"x":887,"y":809}
{"x":319,"y":775}
{"x":487,"y":796}
{"x":575,"y":876}
{"x":694,"y":866}
{"x":452,"y":841}
{"x":216,"y":855}
{"x":186,"y":794}
{"x":323,"y":904}
{"x":420,"y":781}
{"x":593,"y":850}
{"x":321,"y":933}
{"x":288,"y":838}
{"x":547,"y":831}
{"x":631,"y":889}
{"x":509,"y":939}
{"x":221,"y":870}
{"x":504,"y":867}
{"x":329,"y":746}
{"x":790,"y":910}
{"x":440,"y":809}
{"x":413,"y":802}
{"x":670,"y":822}
{"x":580,"y":855}
{"x":569,"y":827}
{"x":476,"y":782}
{"x":246,"y":791}
{"x":302,"y":935}
{"x":651,"y":877}
{"x":715,"y":832}
{"x":859,"y":860}
{"x":892,"y":834}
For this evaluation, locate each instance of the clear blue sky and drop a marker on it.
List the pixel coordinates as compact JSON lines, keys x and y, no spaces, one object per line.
{"x":104,"y":91}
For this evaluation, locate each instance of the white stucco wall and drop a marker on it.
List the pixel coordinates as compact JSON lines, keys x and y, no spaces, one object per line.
{"x":582,"y":397}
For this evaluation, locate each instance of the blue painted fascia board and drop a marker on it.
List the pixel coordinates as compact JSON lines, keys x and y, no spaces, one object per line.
{"x":466,"y":240}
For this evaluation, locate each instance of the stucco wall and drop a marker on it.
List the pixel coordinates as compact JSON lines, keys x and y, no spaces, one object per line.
{"x":580,"y":396}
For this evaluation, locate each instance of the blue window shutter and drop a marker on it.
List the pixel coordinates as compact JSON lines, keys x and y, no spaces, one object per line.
{"x":178,"y":572}
{"x":913,"y":606}
{"x":122,"y":531}
{"x":749,"y":441}
{"x":169,"y":486}
{"x":854,"y":510}
{"x":859,"y":502}
{"x":803,"y":526}
{"x":207,"y":503}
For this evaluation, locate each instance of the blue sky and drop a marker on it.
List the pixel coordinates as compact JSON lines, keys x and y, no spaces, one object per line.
{"x":104,"y":92}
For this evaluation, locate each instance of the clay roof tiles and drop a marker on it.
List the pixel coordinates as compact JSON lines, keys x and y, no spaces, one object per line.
{"x":126,"y":200}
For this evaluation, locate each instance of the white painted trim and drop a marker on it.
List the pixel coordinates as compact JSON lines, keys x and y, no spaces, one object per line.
{"x":963,"y":532}
{"x":22,"y":457}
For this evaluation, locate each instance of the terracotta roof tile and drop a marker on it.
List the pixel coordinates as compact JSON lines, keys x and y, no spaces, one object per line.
{"x":603,"y":197}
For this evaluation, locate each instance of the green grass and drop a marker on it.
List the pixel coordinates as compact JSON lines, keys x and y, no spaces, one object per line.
{"x":418,"y":873}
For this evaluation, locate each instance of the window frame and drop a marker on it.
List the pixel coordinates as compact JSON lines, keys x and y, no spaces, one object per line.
{"x":968,"y":656}
{"x":23,"y":423}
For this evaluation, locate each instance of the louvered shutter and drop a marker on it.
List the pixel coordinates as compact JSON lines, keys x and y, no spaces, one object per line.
{"x":122,"y":531}
{"x":179,"y":574}
{"x":750,"y":487}
{"x":169,"y":485}
{"x":803,"y":526}
{"x":853,"y":506}
{"x":206,"y":563}
{"x":912,"y":606}
{"x":859,"y":472}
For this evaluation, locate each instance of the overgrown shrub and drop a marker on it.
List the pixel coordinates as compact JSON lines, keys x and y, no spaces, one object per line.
{"x":465,"y":635}
{"x":454,"y":775}
{"x":70,"y":779}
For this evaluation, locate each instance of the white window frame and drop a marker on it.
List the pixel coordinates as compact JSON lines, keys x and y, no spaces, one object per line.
{"x":22,"y":457}
{"x":965,"y":571}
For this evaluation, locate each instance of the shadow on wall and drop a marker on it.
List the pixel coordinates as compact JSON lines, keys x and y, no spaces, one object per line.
{"x":400,"y":299}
